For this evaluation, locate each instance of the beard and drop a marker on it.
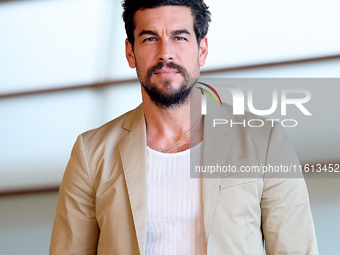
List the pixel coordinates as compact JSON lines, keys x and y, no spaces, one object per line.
{"x":171,"y":99}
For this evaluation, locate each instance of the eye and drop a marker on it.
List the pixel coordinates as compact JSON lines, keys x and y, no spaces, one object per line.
{"x":149,"y":39}
{"x":179,"y":38}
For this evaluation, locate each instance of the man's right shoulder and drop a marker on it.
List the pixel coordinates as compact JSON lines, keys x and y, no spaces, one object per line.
{"x":114,"y":130}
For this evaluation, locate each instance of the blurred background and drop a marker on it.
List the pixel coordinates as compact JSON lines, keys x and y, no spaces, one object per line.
{"x":63,"y":71}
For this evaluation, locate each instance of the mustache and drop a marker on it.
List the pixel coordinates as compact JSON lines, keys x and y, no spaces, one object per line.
{"x":171,"y":65}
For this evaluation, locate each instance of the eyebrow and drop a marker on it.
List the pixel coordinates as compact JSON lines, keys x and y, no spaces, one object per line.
{"x":176,"y":32}
{"x":181,"y":31}
{"x":147,"y":32}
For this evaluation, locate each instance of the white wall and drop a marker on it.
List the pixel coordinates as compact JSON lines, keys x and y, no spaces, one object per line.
{"x":26,"y":224}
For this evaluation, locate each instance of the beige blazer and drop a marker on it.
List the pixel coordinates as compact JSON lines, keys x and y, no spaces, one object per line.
{"x":102,"y":207}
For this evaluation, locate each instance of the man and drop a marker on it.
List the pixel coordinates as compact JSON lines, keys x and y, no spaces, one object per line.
{"x":127,"y":187}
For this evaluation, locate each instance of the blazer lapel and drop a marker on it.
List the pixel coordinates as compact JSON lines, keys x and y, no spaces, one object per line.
{"x":133,"y":154}
{"x":216,"y":146}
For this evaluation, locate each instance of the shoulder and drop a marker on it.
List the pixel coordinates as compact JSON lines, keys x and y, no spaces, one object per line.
{"x":263,"y":138}
{"x":111,"y":132}
{"x":253,"y":126}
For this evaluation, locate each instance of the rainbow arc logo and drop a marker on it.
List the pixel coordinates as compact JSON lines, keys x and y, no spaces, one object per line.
{"x":204,"y":99}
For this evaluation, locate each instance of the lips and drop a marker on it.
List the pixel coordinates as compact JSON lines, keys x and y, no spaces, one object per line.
{"x":166,"y":72}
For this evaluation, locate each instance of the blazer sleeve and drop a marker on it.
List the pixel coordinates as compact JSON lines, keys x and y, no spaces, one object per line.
{"x":75,"y":229}
{"x":287,"y":222}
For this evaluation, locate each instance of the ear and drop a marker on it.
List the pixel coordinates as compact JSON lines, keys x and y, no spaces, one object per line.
{"x":203,"y":51}
{"x":130,"y":56}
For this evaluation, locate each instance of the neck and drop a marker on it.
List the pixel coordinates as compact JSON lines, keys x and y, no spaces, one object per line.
{"x":167,"y":126}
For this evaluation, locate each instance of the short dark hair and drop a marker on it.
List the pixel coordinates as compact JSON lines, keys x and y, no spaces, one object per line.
{"x":198,"y":7}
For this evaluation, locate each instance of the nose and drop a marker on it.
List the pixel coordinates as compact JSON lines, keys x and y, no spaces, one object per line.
{"x":166,"y":51}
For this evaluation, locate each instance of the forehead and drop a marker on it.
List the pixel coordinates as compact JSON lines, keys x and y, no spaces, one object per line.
{"x":165,"y":17}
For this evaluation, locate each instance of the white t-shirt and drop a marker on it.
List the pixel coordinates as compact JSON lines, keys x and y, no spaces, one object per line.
{"x":174,"y":218}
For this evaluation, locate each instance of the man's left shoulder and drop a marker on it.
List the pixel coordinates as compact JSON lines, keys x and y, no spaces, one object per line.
{"x":250,"y":124}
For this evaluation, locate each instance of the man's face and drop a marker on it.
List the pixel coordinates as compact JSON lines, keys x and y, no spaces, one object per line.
{"x":166,"y":55}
